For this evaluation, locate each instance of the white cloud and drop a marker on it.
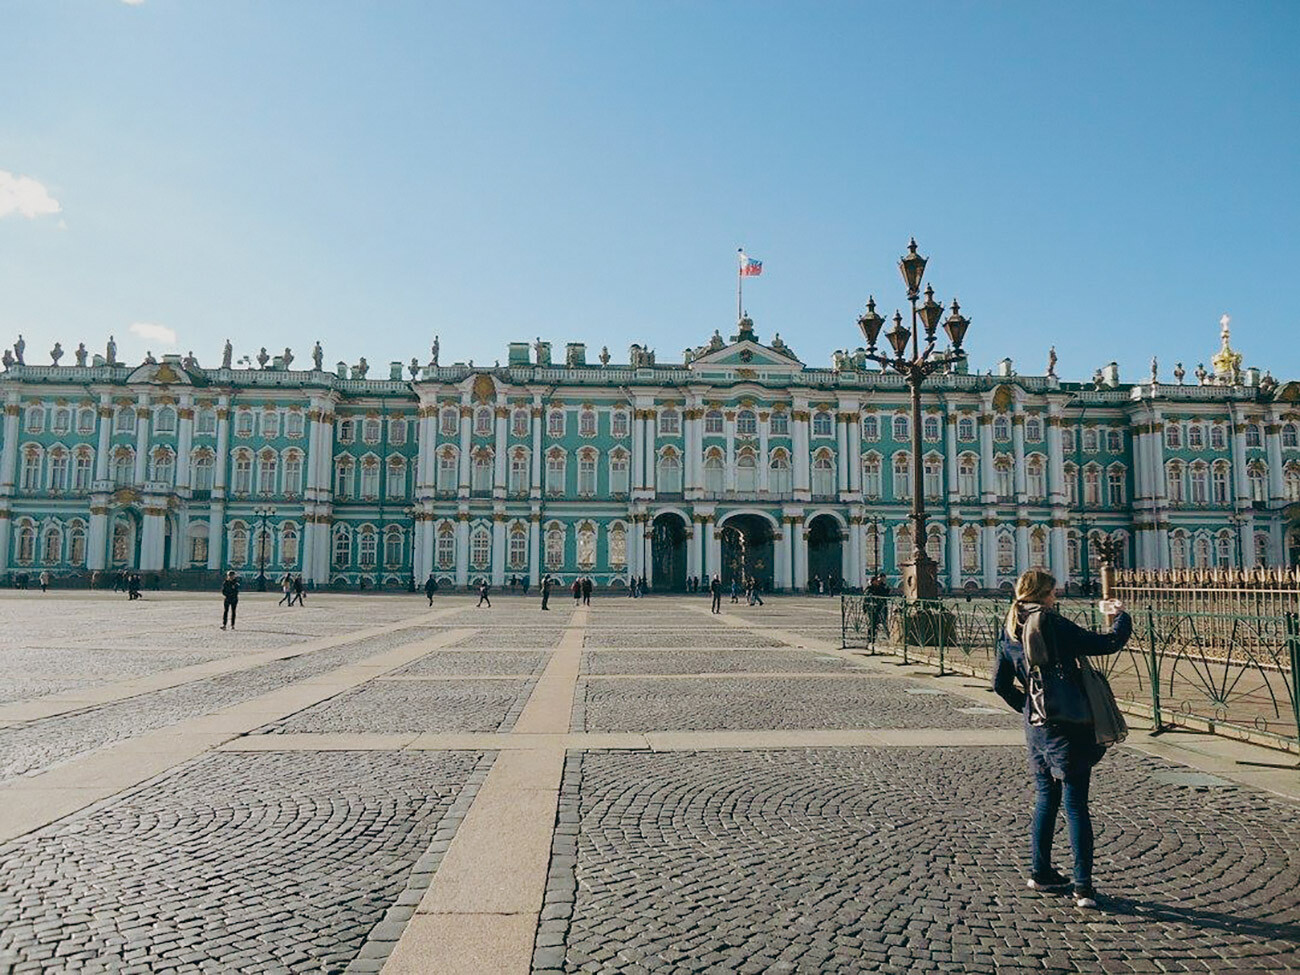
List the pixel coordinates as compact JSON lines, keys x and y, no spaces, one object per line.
{"x":133,"y":3}
{"x":150,"y":330}
{"x":24,"y":196}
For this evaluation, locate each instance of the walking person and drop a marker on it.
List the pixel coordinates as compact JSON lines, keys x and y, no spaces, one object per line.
{"x":483,"y":595}
{"x":877,"y":594}
{"x":523,"y":585}
{"x":754,"y":597}
{"x":715,"y":588}
{"x":586,"y":591}
{"x":577,"y":591}
{"x":546,"y":591}
{"x":286,"y":587}
{"x":45,"y":580}
{"x":133,"y":587}
{"x":735,"y":589}
{"x":298,"y":591}
{"x":230,"y":599}
{"x":430,"y":587}
{"x":1061,"y":755}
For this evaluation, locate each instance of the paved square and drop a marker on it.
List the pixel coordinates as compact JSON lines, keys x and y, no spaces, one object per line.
{"x":369,"y":783}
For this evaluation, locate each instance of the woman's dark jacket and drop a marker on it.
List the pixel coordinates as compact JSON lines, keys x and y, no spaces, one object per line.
{"x":230,"y":589}
{"x":1062,"y":750}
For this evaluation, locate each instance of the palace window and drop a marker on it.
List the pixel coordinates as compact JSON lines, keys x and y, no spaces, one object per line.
{"x":267,"y":472}
{"x":933,"y":474}
{"x":52,"y":546}
{"x":369,"y":478}
{"x":1116,"y":494}
{"x":618,"y":425}
{"x":1196,"y":439}
{"x":519,"y":422}
{"x":1257,"y":476}
{"x":968,"y":469}
{"x":668,"y":477}
{"x":86,"y":421}
{"x":902,"y":547}
{"x":35,"y":419}
{"x":481,"y":472}
{"x":586,"y":546}
{"x":25,"y":544}
{"x":1038,"y":548}
{"x":618,"y":472}
{"x":1002,"y":478}
{"x":480,"y":547}
{"x":288,"y":545}
{"x":713,"y":472}
{"x":124,"y":467}
{"x":293,"y":472}
{"x":238,"y":544}
{"x":83,"y":467}
{"x":1290,"y":435}
{"x":618,"y":546}
{"x":395,"y":485}
{"x":207,"y":422}
{"x":1254,"y":437}
{"x":778,"y":425}
{"x":445,"y":547}
{"x":517,"y":550}
{"x":778,"y":474}
{"x":902,"y":476}
{"x":58,"y":469}
{"x":62,"y":422}
{"x":555,"y":469}
{"x":1035,"y":479}
{"x":966,"y":429}
{"x":346,"y":428}
{"x":371,"y":430}
{"x":930,"y":428}
{"x":554,"y":547}
{"x":124,"y":420}
{"x":1033,"y":430}
{"x":1174,"y":485}
{"x":1071,"y":485}
{"x":713,"y":421}
{"x":1006,"y":553}
{"x":1199,"y":483}
{"x":367,"y":546}
{"x":871,"y":486}
{"x":270,"y":425}
{"x":1219,"y":482}
{"x":1092,"y":484}
{"x":1218,"y":437}
{"x":519,"y":472}
{"x":397,"y":430}
{"x":1291,"y":481}
{"x":449,"y":421}
{"x":587,"y":423}
{"x":1115,"y":441}
{"x":244,"y":423}
{"x":242,"y":481}
{"x":746,"y":472}
{"x":1173,"y":436}
{"x":822,"y":424}
{"x":555,"y":423}
{"x":1067,"y":440}
{"x":870,"y":427}
{"x":483,"y":421}
{"x":902,"y":428}
{"x":203,"y":470}
{"x":1089,"y":440}
{"x":746,"y":423}
{"x":293,"y":424}
{"x":344,"y":470}
{"x":1001,"y":427}
{"x":448,"y":462}
{"x":77,"y":544}
{"x":970,"y":549}
{"x":587,"y":473}
{"x":164,"y":466}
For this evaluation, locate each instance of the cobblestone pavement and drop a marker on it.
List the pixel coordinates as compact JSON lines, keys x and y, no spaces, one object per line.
{"x":907,"y":859}
{"x":286,"y":852}
{"x":248,"y":862}
{"x":39,"y":744}
{"x":766,"y":702}
{"x":394,"y":706}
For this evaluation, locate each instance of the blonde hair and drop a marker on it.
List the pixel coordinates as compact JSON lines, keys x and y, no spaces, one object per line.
{"x":1033,"y":586}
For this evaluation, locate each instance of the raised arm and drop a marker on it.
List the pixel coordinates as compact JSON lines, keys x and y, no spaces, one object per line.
{"x":1073,"y":638}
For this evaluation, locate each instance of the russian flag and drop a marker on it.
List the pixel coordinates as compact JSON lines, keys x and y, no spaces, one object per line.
{"x":749,"y":268}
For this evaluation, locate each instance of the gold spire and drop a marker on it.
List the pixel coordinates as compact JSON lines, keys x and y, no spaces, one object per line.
{"x":1226,"y":362}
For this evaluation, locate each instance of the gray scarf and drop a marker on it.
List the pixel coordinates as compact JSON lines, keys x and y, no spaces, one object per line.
{"x":1032,"y":636}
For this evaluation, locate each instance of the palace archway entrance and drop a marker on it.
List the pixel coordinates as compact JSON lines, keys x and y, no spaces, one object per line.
{"x":747,"y":550}
{"x":825,"y":552}
{"x":668,"y":553}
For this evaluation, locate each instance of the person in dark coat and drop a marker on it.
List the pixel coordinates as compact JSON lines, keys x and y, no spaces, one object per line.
{"x":430,"y":587}
{"x":715,"y":589}
{"x":298,"y":593}
{"x":576,"y":588}
{"x":586,"y":591}
{"x":230,"y":599}
{"x":1061,"y":756}
{"x":546,"y":591}
{"x":877,"y":594}
{"x":483,"y":595}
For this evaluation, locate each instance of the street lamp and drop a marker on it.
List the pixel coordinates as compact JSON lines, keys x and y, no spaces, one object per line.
{"x":921,"y":574}
{"x":262,"y":511}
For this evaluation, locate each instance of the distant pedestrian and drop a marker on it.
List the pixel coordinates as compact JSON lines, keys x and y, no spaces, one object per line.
{"x":586,"y":591}
{"x":430,"y":587}
{"x":715,"y":588}
{"x":754,"y":597}
{"x":1061,"y":754}
{"x":546,"y":591}
{"x":877,"y":601}
{"x":45,"y":580}
{"x":286,"y":587}
{"x":577,"y":591}
{"x":483,"y":595}
{"x":523,"y":585}
{"x":735,"y":589}
{"x":133,"y":587}
{"x":298,"y":590}
{"x":230,"y":599}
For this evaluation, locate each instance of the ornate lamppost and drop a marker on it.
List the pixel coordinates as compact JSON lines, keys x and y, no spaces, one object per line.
{"x":263,"y":511}
{"x":921,"y":574}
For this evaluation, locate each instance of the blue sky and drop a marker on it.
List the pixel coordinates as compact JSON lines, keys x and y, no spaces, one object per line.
{"x":1106,"y":177}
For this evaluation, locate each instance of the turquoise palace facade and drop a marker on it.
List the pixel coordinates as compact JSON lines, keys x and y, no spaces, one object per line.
{"x":738,"y":459}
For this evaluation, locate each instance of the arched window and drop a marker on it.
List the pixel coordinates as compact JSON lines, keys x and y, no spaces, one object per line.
{"x":342,"y":547}
{"x":934,"y":544}
{"x":293,"y":473}
{"x":968,"y":476}
{"x":1002,"y":477}
{"x":1201,"y":551}
{"x":1036,"y":478}
{"x":778,"y":474}
{"x":1173,"y":438}
{"x":35,"y":419}
{"x":586,"y":422}
{"x":1290,"y":435}
{"x":1225,"y":549}
{"x":1291,"y":481}
{"x":517,"y":550}
{"x":1071,"y":485}
{"x":870,"y":427}
{"x":555,"y":423}
{"x":586,"y":546}
{"x":1254,"y":436}
{"x":395,"y":483}
{"x":713,"y":471}
{"x":242,"y":481}
{"x":871,"y":486}
{"x":1089,"y":440}
{"x":25,"y":543}
{"x":966,"y":428}
{"x":481,"y":471}
{"x":393,"y":546}
{"x":369,"y":477}
{"x":618,"y":425}
{"x":1038,"y":549}
{"x":397,"y":431}
{"x":58,"y":469}
{"x":445,"y":549}
{"x":713,"y":421}
{"x":483,"y":421}
{"x":746,"y":471}
{"x":86,"y":421}
{"x":244,"y":423}
{"x":288,"y":545}
{"x":746,"y":423}
{"x":556,"y":464}
{"x":1196,"y":441}
{"x":31,"y":477}
{"x":83,"y":468}
{"x":902,"y":476}
{"x":124,"y":420}
{"x":970,"y":549}
{"x":268,"y":471}
{"x":371,"y":430}
{"x":344,"y":477}
{"x":778,"y":425}
{"x":62,"y":420}
{"x":1092,"y":484}
{"x":164,"y":466}
{"x":1174,"y":483}
{"x":587,"y":457}
{"x":124,"y":467}
{"x":554,"y":546}
{"x":448,"y":462}
{"x":1033,"y":429}
{"x":618,"y":471}
{"x":1006,"y":553}
{"x":932,"y":471}
{"x":823,"y":424}
{"x":1218,"y":437}
{"x":367,"y":546}
{"x":293,"y":424}
{"x":1200,"y":482}
{"x":270,"y":424}
{"x":1219,"y":482}
{"x":203,"y":468}
{"x":930,"y":428}
{"x":617,"y":546}
{"x":77,"y":543}
{"x":519,"y":470}
{"x":1001,"y":427}
{"x":519,"y":422}
{"x":902,"y":547}
{"x":1257,"y":475}
{"x":1178,"y":549}
{"x":206,"y":422}
{"x":902,"y":431}
{"x":238,"y":546}
{"x":1116,"y":493}
{"x":668,"y":476}
{"x":52,"y":546}
{"x":449,"y":421}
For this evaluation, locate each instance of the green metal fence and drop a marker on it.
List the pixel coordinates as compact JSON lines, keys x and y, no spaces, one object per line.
{"x":1233,"y":675}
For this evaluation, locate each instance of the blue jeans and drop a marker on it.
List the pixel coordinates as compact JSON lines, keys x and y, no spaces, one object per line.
{"x":1051,"y":791}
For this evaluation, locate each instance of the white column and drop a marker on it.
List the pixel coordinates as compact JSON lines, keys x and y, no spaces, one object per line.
{"x":764,"y":481}
{"x":184,"y":446}
{"x":1018,"y":448}
{"x":535,"y":488}
{"x":9,"y":455}
{"x":729,"y":472}
{"x":785,"y":556}
{"x":714,"y":546}
{"x":105,"y":415}
{"x":1060,"y":564}
{"x":799,"y":443}
{"x":1273,"y":446}
{"x":651,"y":428}
{"x":501,"y":416}
{"x":853,"y":431}
{"x":1248,"y":554}
{"x":141,"y":444}
{"x":1022,"y":546}
{"x":638,"y":450}
{"x":989,"y":541}
{"x":466,"y":413}
{"x":841,"y":456}
{"x":220,"y":471}
{"x":695,"y":551}
{"x":462,"y":551}
{"x":535,"y":550}
{"x":950,"y":457}
{"x":852,"y":574}
{"x":988,"y":484}
{"x":498,"y":550}
{"x":1055,"y":457}
{"x":954,"y":555}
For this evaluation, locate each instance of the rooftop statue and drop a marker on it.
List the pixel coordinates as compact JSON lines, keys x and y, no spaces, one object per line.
{"x":317,"y":356}
{"x":81,"y":353}
{"x":111,"y":351}
{"x":56,"y":353}
{"x":19,"y":346}
{"x":226,"y":353}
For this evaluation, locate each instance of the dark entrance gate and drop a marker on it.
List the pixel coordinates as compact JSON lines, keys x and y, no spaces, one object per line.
{"x":747,"y":550}
{"x":825,"y":548}
{"x":668,"y":553}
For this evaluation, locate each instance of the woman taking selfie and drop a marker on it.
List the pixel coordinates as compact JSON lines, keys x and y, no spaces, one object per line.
{"x":1038,"y":673}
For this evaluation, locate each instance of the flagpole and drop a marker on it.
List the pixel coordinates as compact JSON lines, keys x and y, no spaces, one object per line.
{"x":739,"y":279}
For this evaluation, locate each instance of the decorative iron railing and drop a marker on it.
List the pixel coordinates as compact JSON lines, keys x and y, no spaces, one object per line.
{"x":1233,"y":674}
